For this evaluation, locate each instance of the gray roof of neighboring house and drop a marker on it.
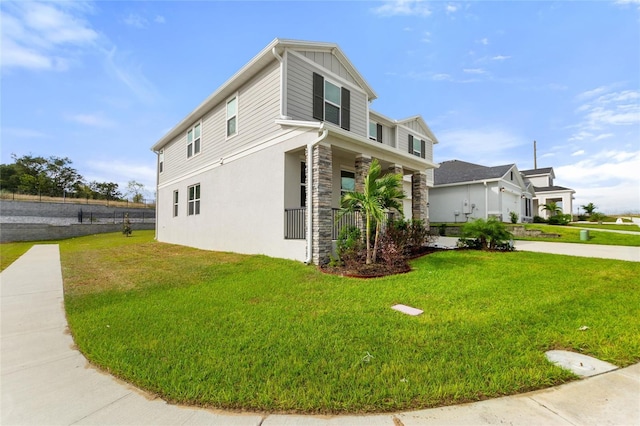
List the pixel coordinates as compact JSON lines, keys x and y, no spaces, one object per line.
{"x":456,"y":171}
{"x":551,"y":188}
{"x":543,"y":171}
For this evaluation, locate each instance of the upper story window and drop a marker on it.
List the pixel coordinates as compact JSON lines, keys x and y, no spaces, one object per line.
{"x":194,"y":200}
{"x":161,"y":161}
{"x":193,"y":141}
{"x":232,"y":116}
{"x":331,"y":102}
{"x":417,"y":147}
{"x":375,"y":131}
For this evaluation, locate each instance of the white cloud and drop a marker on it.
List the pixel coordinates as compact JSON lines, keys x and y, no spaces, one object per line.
{"x":122,"y":172}
{"x":578,"y":153}
{"x":41,"y":35}
{"x":136,"y":21}
{"x":604,"y":111}
{"x":93,"y":120}
{"x":403,"y":8}
{"x":486,"y":146}
{"x":426,"y":37}
{"x":474,"y":71}
{"x":609,"y":179}
{"x":159,"y":19}
{"x":131,"y":75}
{"x":21,"y":133}
{"x":500,"y":58}
{"x":483,"y":41}
{"x":452,"y":8}
{"x":441,"y":77}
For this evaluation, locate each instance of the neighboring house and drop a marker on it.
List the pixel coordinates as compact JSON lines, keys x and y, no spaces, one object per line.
{"x":546,"y":191}
{"x":260,"y":165}
{"x":464,"y":191}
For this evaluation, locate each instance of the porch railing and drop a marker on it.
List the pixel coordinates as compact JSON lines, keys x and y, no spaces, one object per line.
{"x":296,"y":222}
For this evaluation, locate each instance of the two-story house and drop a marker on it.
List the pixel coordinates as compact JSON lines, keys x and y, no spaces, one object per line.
{"x":259,"y":167}
{"x":546,"y":191}
{"x":463,"y":191}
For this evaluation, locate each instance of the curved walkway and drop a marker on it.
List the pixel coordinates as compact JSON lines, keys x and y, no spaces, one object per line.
{"x":45,"y":381}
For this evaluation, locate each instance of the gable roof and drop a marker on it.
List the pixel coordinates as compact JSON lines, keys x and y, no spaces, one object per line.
{"x":539,"y":172}
{"x":250,"y":69}
{"x":456,"y":171}
{"x":554,"y":188}
{"x":422,"y":124}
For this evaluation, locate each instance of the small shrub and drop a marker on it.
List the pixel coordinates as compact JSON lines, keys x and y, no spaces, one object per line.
{"x":560,"y":219}
{"x":514,"y":217}
{"x":408,"y":236}
{"x":488,"y":232}
{"x":349,"y":246}
{"x":469,"y":243}
{"x":390,"y":253}
{"x":442,"y":229}
{"x":597,"y":217}
{"x":539,"y":219}
{"x":126,"y":226}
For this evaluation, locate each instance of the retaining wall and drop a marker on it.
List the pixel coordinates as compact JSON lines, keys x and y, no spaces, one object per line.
{"x":12,"y":232}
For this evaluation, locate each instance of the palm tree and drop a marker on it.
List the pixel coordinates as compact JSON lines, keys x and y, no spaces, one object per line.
{"x":589,"y":208}
{"x":379,"y":194}
{"x":552,"y":207}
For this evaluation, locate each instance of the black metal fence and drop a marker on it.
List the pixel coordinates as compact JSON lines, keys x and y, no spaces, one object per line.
{"x":296,"y":222}
{"x":135,"y":216}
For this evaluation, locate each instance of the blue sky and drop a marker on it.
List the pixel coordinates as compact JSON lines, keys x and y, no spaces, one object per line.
{"x":101,"y":82}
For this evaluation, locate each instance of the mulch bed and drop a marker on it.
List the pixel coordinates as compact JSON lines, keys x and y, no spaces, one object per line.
{"x":377,"y":270}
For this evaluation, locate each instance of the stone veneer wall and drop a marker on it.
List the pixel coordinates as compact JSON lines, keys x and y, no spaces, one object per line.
{"x":419,"y":197}
{"x":321,"y":204}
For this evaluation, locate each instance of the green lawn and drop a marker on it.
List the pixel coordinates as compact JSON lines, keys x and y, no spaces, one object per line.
{"x":610,"y":226}
{"x":571,"y":234}
{"x":257,"y":333}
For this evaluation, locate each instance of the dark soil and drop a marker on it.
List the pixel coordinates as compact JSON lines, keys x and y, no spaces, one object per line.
{"x":377,"y":270}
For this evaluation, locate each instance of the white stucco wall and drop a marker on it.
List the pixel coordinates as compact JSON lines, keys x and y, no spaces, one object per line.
{"x":242,"y":205}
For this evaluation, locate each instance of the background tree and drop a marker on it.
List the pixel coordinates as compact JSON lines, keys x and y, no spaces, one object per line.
{"x":552,"y":207}
{"x":589,"y":208}
{"x":134,"y":190}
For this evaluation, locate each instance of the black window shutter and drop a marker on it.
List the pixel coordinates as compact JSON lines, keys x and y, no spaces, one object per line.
{"x":423,"y":145}
{"x":410,"y":144}
{"x":318,"y":97}
{"x":379,"y":132}
{"x":345,"y":100}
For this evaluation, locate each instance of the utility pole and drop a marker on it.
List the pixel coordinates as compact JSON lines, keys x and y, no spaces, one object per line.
{"x":535,"y":156}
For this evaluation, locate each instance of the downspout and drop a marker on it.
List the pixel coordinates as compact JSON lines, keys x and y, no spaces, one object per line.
{"x":157,"y":191}
{"x":282,"y":80}
{"x":486,"y":201}
{"x":309,"y":200}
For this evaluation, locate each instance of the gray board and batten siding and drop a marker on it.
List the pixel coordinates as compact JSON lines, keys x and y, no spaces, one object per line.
{"x":299,"y":91}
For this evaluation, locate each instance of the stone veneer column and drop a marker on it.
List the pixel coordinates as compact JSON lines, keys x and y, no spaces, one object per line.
{"x":396,"y":169}
{"x":321,"y":204}
{"x":363,"y":163}
{"x":419,"y":197}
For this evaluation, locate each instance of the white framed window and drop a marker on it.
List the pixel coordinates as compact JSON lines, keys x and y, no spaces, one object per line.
{"x":232,"y":116}
{"x":193,"y":141}
{"x":331,"y":102}
{"x":303,"y":184}
{"x":175,"y":203}
{"x":373,"y":130}
{"x":161,"y":161}
{"x":417,"y":147}
{"x":347,"y":182}
{"x":193,"y":204}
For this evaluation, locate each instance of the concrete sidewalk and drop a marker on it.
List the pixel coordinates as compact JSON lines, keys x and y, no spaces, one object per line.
{"x":631,"y":254}
{"x":45,"y":381}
